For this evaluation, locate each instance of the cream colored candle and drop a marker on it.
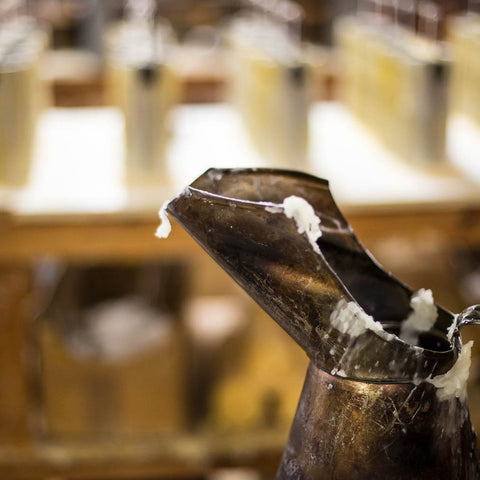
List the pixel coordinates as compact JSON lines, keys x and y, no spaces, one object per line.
{"x":21,"y":97}
{"x":141,"y":82}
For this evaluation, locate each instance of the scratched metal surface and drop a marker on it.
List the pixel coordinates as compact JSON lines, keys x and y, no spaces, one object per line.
{"x":348,"y":430}
{"x":225,"y":211}
{"x":378,"y":420}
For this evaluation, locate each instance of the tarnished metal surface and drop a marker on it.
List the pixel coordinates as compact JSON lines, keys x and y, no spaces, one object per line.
{"x":225,"y":211}
{"x":379,"y":418}
{"x":349,"y":430}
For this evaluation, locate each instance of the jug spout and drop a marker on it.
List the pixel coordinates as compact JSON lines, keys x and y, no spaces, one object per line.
{"x":281,"y":236}
{"x":470,"y":316}
{"x":384,"y":395}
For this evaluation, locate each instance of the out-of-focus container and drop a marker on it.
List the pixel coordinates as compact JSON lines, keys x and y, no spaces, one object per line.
{"x":259,"y":392}
{"x":464,"y":35}
{"x":271,"y":89}
{"x":22,"y":95}
{"x":246,"y":373}
{"x":143,"y":84}
{"x":112,"y":356}
{"x":396,"y":83}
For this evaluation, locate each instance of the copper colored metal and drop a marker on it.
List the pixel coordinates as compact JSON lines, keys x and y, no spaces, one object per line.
{"x":350,"y":430}
{"x":381,"y":418}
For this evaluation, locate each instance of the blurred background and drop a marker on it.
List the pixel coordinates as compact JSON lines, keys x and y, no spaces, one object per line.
{"x":123,"y":356}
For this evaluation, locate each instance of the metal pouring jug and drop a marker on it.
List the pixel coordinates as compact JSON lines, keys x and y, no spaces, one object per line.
{"x":373,"y":406}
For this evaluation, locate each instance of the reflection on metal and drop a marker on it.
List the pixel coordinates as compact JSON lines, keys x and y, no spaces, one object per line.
{"x":346,"y":429}
{"x":367,"y":409}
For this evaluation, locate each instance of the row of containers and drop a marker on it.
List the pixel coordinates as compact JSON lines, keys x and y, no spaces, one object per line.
{"x":270,"y":85}
{"x":396,"y":76}
{"x":402,"y":82}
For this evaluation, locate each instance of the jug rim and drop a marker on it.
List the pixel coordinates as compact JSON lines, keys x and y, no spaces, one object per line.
{"x":423,"y":362}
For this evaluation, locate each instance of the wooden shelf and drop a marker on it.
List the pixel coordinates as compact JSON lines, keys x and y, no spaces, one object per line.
{"x":76,"y":206}
{"x":187,"y":456}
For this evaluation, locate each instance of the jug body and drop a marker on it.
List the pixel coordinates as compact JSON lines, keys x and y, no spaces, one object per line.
{"x":351,"y":430}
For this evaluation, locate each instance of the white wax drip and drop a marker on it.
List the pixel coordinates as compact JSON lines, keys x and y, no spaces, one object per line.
{"x":304,"y":216}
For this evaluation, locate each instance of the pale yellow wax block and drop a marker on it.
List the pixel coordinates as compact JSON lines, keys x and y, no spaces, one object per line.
{"x":273,"y":97}
{"x":114,"y":78}
{"x":150,"y":93}
{"x":142,"y":83}
{"x":433,"y":136}
{"x":267,"y":126}
{"x":464,"y":35}
{"x":405,"y":94}
{"x":246,"y":89}
{"x":284,"y":95}
{"x":474,"y":77}
{"x":371,"y":74}
{"x":459,"y":37}
{"x":17,"y":124}
{"x":421,"y":114}
{"x":372,"y":107}
{"x":241,"y":40}
{"x":348,"y":36}
{"x":411,"y":115}
{"x":115,"y":85}
{"x":430,"y":71}
{"x":239,"y":74}
{"x":398,"y":93}
{"x":22,"y":96}
{"x":271,"y":90}
{"x":238,"y":78}
{"x":290,"y":139}
{"x":469,"y":69}
{"x":366,"y":52}
{"x":264,"y":79}
{"x":387,"y":88}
